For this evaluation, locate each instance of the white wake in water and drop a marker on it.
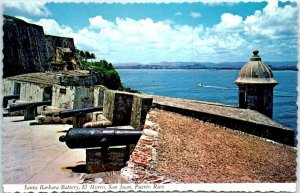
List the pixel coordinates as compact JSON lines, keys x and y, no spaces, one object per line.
{"x":219,"y":87}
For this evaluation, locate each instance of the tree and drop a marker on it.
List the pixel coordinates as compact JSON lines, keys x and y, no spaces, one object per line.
{"x":87,"y":55}
{"x":82,"y":54}
{"x":107,"y":74}
{"x":93,"y":56}
{"x":105,"y":65}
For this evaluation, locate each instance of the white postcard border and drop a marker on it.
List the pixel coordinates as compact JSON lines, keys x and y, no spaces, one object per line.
{"x":249,"y":187}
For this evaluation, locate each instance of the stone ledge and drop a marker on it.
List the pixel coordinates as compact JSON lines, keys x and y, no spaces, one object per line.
{"x":245,"y":120}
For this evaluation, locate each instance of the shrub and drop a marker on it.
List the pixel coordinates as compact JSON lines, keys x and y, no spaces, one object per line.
{"x":110,"y":77}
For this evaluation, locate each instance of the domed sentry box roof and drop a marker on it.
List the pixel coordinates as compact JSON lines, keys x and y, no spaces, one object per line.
{"x":256,"y":72}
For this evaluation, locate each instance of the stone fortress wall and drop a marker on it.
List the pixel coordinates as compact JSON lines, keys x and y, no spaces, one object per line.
{"x":27,"y":49}
{"x":23,"y":48}
{"x":56,"y":41}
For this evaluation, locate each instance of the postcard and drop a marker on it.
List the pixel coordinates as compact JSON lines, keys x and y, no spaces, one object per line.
{"x":149,"y":96}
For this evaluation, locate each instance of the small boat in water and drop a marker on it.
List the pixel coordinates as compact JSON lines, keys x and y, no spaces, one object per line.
{"x":200,"y":84}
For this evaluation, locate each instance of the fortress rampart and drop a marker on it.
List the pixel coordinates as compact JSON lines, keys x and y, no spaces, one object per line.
{"x":27,"y":49}
{"x":245,"y":120}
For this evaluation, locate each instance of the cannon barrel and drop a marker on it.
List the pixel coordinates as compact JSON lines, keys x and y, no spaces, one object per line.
{"x":72,"y":112}
{"x":99,"y":137}
{"x":23,"y":106}
{"x":9,"y":97}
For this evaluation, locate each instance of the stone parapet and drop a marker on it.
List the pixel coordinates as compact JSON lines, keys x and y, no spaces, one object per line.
{"x":124,"y":108}
{"x":117,"y":107}
{"x":140,"y":107}
{"x":245,"y":120}
{"x":99,"y":95}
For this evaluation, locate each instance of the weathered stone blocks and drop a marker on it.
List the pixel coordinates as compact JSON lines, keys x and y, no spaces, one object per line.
{"x":123,"y":108}
{"x":98,"y":121}
{"x":99,"y":95}
{"x":54,"y":119}
{"x":117,"y":107}
{"x":140,"y":107}
{"x":80,"y":119}
{"x":23,"y":47}
{"x":27,"y":49}
{"x":103,"y":160}
{"x":83,"y":97}
{"x":30,"y":113}
{"x":140,"y":166}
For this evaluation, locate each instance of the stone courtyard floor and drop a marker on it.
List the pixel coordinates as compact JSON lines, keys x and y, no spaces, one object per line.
{"x":33,"y":154}
{"x":189,"y":151}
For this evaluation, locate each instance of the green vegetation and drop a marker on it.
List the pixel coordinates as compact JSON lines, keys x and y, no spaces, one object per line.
{"x":85,"y":55}
{"x":105,"y":70}
{"x":109,"y":76}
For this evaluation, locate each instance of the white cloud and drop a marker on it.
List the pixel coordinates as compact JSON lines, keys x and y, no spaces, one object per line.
{"x":35,"y":8}
{"x":178,"y":14}
{"x":50,"y":26}
{"x":98,"y":22}
{"x":53,"y":28}
{"x":168,"y":21}
{"x":272,"y":22}
{"x":129,"y":40}
{"x":145,"y":40}
{"x":195,"y":14}
{"x":142,"y":40}
{"x":229,"y":22}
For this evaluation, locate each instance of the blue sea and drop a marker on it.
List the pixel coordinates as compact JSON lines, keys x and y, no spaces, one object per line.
{"x":214,"y":86}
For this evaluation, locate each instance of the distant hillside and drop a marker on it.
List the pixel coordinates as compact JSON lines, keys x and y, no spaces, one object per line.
{"x":289,"y":65}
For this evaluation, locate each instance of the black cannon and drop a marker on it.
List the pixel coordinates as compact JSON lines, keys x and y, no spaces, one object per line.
{"x":100,"y":137}
{"x":73,"y":112}
{"x":25,"y":106}
{"x":9,"y":97}
{"x":30,"y":108}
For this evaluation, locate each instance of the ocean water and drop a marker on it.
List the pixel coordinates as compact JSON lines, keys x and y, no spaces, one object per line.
{"x":214,"y":86}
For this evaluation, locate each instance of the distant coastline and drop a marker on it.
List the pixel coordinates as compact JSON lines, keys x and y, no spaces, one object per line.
{"x":293,"y":68}
{"x":290,"y":65}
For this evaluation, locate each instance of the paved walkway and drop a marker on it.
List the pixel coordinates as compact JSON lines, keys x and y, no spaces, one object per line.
{"x":33,"y":154}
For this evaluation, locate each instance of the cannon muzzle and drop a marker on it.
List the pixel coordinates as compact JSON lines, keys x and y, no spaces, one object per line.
{"x":99,"y":137}
{"x":62,"y":138}
{"x":23,"y":106}
{"x":9,"y":97}
{"x":73,"y":112}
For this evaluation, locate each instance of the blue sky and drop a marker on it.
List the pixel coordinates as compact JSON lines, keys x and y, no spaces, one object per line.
{"x":148,"y":32}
